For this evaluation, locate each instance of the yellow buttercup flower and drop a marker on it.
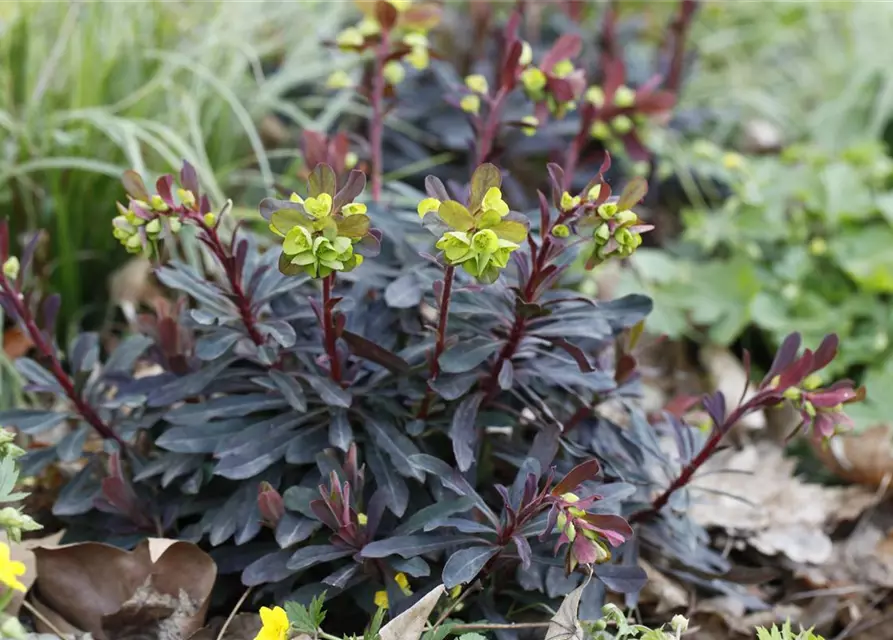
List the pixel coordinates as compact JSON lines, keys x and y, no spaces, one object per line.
{"x":10,"y":570}
{"x":275,"y":623}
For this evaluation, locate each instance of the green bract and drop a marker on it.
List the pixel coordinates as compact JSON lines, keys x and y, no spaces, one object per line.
{"x":323,"y":232}
{"x":481,"y":236}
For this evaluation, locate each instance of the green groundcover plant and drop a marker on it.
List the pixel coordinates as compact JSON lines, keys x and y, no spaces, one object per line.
{"x":395,"y":398}
{"x":797,"y":236}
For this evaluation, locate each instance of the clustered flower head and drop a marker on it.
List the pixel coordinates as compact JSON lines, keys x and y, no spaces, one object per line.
{"x":150,"y":217}
{"x":614,"y":229}
{"x":588,"y":535}
{"x":797,"y":380}
{"x":406,"y":25}
{"x":479,"y":237}
{"x":554,"y":85}
{"x":618,"y":116}
{"x":325,"y":232}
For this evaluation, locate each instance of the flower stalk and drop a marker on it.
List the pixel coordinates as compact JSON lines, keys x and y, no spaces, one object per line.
{"x":329,"y":330}
{"x":440,"y":344}
{"x":47,"y":352}
{"x":376,"y":123}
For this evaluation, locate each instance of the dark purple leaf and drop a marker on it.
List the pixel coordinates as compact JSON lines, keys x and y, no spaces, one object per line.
{"x":415,"y":545}
{"x":583,"y":472}
{"x":523,"y":548}
{"x":329,"y":392}
{"x":290,"y":388}
{"x":453,"y":387}
{"x":354,"y":186}
{"x":784,"y":356}
{"x":134,"y":185}
{"x":467,"y":355}
{"x":391,"y":485}
{"x":293,"y":528}
{"x":506,"y":375}
{"x":463,"y":431}
{"x":621,"y":578}
{"x":434,"y":512}
{"x":464,"y":565}
{"x":435,"y":189}
{"x":632,"y":194}
{"x":715,"y":406}
{"x":363,"y":348}
{"x":342,"y":576}
{"x":322,"y":180}
{"x":398,"y":447}
{"x":574,"y":352}
{"x":315,"y":554}
{"x":404,"y":292}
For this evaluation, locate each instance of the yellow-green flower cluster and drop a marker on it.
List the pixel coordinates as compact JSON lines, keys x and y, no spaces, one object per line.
{"x":131,"y":229}
{"x":11,"y":267}
{"x":620,"y":226}
{"x":482,"y":236}
{"x":319,"y":233}
{"x":407,"y":26}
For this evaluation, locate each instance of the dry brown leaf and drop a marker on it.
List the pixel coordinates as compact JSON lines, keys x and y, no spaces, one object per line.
{"x":410,"y":624}
{"x":111,"y":592}
{"x":862,"y":458}
{"x":245,"y":626}
{"x":15,"y":343}
{"x":666,"y":594}
{"x":132,"y":285}
{"x":753,"y":493}
{"x":59,"y":623}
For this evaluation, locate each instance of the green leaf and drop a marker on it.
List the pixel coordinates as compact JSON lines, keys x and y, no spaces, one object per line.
{"x":306,"y":619}
{"x":455,"y":215}
{"x":485,"y":177}
{"x":472,"y":636}
{"x":865,"y":255}
{"x":511,"y":230}
{"x":632,"y":194}
{"x":322,"y":180}
{"x":355,"y":226}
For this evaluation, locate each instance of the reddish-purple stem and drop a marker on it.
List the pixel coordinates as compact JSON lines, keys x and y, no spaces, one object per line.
{"x":234,"y":277}
{"x":689,"y":470}
{"x":328,"y":327}
{"x":48,"y":354}
{"x":490,"y":129}
{"x":376,"y":124}
{"x":440,"y":344}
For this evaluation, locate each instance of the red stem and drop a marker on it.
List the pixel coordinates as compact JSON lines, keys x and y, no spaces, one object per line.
{"x":697,"y":462}
{"x":376,"y":124}
{"x":440,"y":344}
{"x":48,"y":353}
{"x":490,"y":128}
{"x":234,"y":277}
{"x":328,"y":327}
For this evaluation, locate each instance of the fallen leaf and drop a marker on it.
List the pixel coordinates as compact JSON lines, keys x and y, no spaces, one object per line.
{"x":24,"y":552}
{"x":111,"y":592}
{"x":664,"y":593}
{"x":862,"y":458}
{"x":753,"y":493}
{"x":245,"y":626}
{"x":132,"y":285}
{"x":15,"y":343}
{"x":565,"y":624}
{"x":410,"y":624}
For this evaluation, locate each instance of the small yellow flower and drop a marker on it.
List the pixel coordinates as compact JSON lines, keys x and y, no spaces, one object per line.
{"x":477,"y":83}
{"x":394,"y":72}
{"x":349,"y":38}
{"x":362,"y":519}
{"x":418,"y":57}
{"x":624,"y":97}
{"x":569,"y":202}
{"x":11,"y":268}
{"x":526,"y":54}
{"x":563,"y":68}
{"x":594,"y":192}
{"x":493,"y":202}
{"x":622,"y":124}
{"x":210,"y":219}
{"x":338,"y":80}
{"x":403,"y":582}
{"x":10,"y":570}
{"x":596,"y":96}
{"x":561,"y":231}
{"x":470,"y":104}
{"x":732,"y":160}
{"x":353,"y":209}
{"x":380,"y":600}
{"x":158,"y":203}
{"x":529,"y":125}
{"x":533,"y":80}
{"x":275,"y":623}
{"x":350,"y":160}
{"x":600,"y":130}
{"x":428,"y":205}
{"x":186,"y":197}
{"x":320,"y":206}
